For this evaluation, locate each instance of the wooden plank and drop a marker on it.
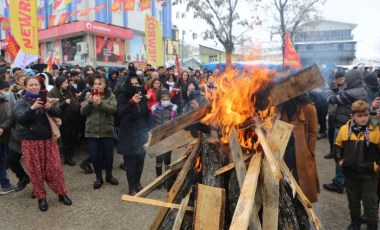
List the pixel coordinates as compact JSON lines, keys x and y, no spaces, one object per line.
{"x":296,"y":84}
{"x":230,"y":166}
{"x":176,"y":186}
{"x":170,"y":127}
{"x":244,"y":207}
{"x":153,"y":202}
{"x":268,"y":154}
{"x":301,"y":196}
{"x":237,"y":156}
{"x":174,"y":167}
{"x":181,"y":211}
{"x":209,"y":208}
{"x":277,"y":141}
{"x":175,"y":141}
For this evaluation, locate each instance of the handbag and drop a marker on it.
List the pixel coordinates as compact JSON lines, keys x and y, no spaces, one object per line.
{"x":54,"y":122}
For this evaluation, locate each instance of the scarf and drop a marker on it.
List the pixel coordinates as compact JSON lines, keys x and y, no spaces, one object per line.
{"x":359,"y":129}
{"x":31,"y":96}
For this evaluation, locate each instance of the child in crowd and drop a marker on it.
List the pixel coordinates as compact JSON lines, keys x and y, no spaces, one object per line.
{"x":163,"y":111}
{"x":357,"y":151}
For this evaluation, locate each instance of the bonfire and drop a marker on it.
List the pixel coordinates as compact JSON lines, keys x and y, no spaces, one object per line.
{"x":234,"y":167}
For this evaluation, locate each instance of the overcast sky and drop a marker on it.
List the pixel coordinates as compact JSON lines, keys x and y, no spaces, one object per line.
{"x":364,"y":13}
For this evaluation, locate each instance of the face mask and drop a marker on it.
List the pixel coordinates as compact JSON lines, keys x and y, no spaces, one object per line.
{"x":139,"y":72}
{"x":170,"y":83}
{"x":6,"y":93}
{"x":165,"y":103}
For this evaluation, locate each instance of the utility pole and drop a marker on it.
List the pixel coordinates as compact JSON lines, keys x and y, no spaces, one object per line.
{"x":183,"y":46}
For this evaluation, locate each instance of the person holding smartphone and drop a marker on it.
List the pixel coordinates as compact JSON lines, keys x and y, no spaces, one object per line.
{"x":99,"y":107}
{"x":132,"y":109}
{"x":39,"y":150}
{"x":70,"y":107}
{"x":193,"y":97}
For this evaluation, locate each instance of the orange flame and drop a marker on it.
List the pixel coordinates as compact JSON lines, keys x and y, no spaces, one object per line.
{"x":234,"y":102}
{"x":198,"y":164}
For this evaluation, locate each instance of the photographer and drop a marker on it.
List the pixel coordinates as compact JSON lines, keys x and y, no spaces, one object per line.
{"x":132,"y":109}
{"x":193,"y":97}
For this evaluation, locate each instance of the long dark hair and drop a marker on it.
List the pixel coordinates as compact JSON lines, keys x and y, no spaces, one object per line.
{"x":107,"y":90}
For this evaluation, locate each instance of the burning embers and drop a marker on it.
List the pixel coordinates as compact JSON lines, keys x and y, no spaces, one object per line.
{"x":237,"y":101}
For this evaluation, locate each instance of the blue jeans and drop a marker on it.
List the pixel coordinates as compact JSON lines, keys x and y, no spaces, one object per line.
{"x":98,"y":146}
{"x":338,"y":180}
{"x":4,"y":181}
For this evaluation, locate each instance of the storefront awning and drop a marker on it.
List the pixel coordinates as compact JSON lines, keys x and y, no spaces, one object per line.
{"x":87,"y":27}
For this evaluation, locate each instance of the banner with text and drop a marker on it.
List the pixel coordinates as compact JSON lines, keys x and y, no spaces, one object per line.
{"x":154,"y":43}
{"x":24,"y":25}
{"x":12,"y":47}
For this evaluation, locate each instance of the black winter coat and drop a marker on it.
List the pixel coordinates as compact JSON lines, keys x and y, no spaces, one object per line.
{"x":35,"y":125}
{"x":133,"y":122}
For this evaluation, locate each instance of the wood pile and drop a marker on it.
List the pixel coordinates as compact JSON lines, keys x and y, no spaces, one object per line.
{"x":220,"y":186}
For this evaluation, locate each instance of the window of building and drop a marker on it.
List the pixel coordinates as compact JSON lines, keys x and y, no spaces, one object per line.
{"x":213,"y":58}
{"x":340,"y":47}
{"x":309,"y":47}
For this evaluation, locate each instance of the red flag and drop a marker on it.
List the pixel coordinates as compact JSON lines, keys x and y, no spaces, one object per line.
{"x":85,"y":12}
{"x":178,"y":66}
{"x":12,"y":47}
{"x":49,"y":64}
{"x":52,"y":20}
{"x":129,"y":5}
{"x":118,"y":1}
{"x":62,"y":19}
{"x":145,"y":4}
{"x":291,"y":57}
{"x":115,"y":6}
{"x":1,"y":19}
{"x":57,"y":3}
{"x":40,"y":22}
{"x":74,"y":13}
{"x":5,"y":24}
{"x":99,"y":8}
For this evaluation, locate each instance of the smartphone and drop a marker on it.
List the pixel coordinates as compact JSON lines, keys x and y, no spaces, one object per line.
{"x":139,"y":89}
{"x":43,"y":96}
{"x":94,"y":92}
{"x":193,"y":95}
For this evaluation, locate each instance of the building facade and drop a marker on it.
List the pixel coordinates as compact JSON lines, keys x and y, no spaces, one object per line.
{"x":325,"y":42}
{"x":94,"y":35}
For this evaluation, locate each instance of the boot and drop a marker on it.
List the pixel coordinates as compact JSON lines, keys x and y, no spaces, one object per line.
{"x":99,"y":180}
{"x":159,"y":173}
{"x":355,"y":224}
{"x":371,"y":226}
{"x":110,"y":179}
{"x":22,"y":183}
{"x":68,"y":153}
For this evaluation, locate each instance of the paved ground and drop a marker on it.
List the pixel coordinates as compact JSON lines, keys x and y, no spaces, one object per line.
{"x":103,"y":208}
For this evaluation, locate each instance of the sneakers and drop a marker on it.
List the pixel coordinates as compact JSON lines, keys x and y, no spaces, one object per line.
{"x":10,"y":189}
{"x":333,"y":188}
{"x":321,"y":136}
{"x":330,"y":155}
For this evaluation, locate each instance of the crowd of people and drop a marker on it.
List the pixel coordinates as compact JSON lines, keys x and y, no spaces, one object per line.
{"x":45,"y":115}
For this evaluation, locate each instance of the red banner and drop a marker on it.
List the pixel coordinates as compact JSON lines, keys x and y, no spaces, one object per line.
{"x":109,"y":49}
{"x":62,"y":19}
{"x":5,"y":24}
{"x":85,"y":12}
{"x":291,"y":57}
{"x":41,"y":20}
{"x":99,"y":8}
{"x":129,"y":5}
{"x":52,"y":20}
{"x":57,"y":3}
{"x":145,"y":4}
{"x":12,"y":47}
{"x":115,"y":7}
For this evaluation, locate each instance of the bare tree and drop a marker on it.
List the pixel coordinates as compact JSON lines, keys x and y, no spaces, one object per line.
{"x":290,"y":14}
{"x":223,"y":20}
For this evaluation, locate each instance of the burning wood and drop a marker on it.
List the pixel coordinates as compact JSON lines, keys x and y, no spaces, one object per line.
{"x":240,"y":108}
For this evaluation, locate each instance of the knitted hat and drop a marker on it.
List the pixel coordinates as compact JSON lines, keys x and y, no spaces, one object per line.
{"x":59,"y":81}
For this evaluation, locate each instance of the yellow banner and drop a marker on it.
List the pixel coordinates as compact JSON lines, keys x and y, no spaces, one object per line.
{"x":24,"y":24}
{"x":154,"y":43}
